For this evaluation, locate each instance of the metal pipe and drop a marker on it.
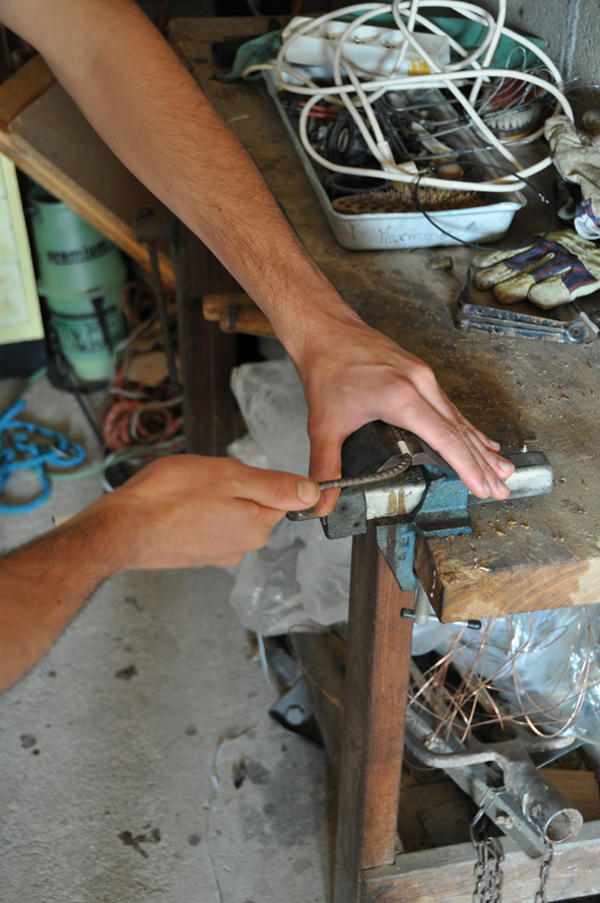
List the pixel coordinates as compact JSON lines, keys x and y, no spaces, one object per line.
{"x":526,"y":807}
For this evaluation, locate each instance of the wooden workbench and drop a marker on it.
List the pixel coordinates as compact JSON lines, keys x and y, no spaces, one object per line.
{"x":531,"y":554}
{"x":523,"y":555}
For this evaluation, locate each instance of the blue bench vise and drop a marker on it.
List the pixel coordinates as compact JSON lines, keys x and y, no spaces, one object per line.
{"x":427,"y":498}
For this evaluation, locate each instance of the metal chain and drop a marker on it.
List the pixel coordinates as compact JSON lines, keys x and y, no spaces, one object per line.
{"x":487,"y":871}
{"x":540,"y":894}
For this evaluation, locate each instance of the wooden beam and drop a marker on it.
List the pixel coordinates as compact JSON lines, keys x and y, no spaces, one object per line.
{"x":507,"y":590}
{"x":324,"y":676}
{"x":236,"y":313}
{"x":207,"y":355}
{"x":445,"y":874}
{"x":375,"y":695}
{"x":81,"y":202}
{"x":17,"y":92}
{"x":214,"y":304}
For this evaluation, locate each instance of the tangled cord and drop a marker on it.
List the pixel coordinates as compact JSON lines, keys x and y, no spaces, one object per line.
{"x":358,"y":91}
{"x":138,"y":414}
{"x":27,"y":446}
{"x":133,"y":421}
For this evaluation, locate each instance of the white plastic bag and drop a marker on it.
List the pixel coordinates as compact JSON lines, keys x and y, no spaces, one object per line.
{"x":300,"y":579}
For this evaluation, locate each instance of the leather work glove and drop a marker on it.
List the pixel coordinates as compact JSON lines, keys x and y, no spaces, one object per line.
{"x":576,"y":156}
{"x":552,"y":270}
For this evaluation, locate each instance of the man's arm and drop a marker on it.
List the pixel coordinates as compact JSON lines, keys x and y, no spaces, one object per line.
{"x":148,"y":108}
{"x":185,"y":511}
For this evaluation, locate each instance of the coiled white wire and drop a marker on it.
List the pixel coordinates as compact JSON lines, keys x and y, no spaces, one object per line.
{"x":360,"y":91}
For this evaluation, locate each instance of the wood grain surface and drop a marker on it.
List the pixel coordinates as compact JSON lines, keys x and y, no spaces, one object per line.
{"x":375,"y":697}
{"x":445,"y":874}
{"x":522,"y":555}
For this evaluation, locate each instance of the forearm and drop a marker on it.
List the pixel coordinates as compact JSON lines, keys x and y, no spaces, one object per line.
{"x":150,"y":111}
{"x":44,"y":584}
{"x":180,"y":511}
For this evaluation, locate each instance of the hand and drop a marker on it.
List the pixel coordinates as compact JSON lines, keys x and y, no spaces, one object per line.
{"x":371,"y":378}
{"x":191,"y":511}
{"x":550,"y":271}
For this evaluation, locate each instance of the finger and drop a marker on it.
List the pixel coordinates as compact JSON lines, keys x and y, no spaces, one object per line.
{"x":492,"y":470}
{"x":496,"y":468}
{"x":325,"y":464}
{"x":501,"y":466}
{"x":456,"y":442}
{"x":278,"y":490}
{"x":449,"y":410}
{"x":486,"y":440}
{"x":229,"y":561}
{"x":489,"y":448}
{"x":440,"y":401}
{"x":478,"y":446}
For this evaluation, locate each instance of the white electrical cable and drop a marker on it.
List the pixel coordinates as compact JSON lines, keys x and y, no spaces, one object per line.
{"x":359,"y":95}
{"x":493,"y":46}
{"x":400,"y":174}
{"x":456,"y":92}
{"x":380,"y":149}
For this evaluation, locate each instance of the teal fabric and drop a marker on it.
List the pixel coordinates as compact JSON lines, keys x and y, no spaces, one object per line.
{"x":469,"y":35}
{"x":257,"y":50}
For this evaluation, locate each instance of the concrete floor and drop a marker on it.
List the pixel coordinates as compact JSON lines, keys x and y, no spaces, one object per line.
{"x":118,"y":751}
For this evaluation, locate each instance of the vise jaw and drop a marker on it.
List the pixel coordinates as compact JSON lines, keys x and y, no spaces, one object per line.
{"x":428,"y":498}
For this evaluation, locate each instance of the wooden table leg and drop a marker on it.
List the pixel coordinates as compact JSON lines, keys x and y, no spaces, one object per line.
{"x":375,"y":695}
{"x":207,"y":355}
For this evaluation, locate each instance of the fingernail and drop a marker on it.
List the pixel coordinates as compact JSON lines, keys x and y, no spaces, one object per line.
{"x":486,"y":489}
{"x":505,"y":466}
{"x":502,"y":487}
{"x":308,"y":492}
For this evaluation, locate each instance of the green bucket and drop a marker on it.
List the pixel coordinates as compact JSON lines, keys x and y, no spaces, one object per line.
{"x":88,"y":325}
{"x":72,"y":255}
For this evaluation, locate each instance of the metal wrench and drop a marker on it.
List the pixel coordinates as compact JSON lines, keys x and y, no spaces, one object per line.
{"x":499,"y":321}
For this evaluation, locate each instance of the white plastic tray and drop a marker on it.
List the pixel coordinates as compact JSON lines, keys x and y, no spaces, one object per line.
{"x":385,"y":231}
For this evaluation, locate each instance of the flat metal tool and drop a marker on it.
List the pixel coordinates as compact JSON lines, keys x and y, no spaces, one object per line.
{"x":501,"y":321}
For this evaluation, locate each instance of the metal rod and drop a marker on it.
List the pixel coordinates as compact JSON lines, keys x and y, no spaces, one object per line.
{"x":381,"y":475}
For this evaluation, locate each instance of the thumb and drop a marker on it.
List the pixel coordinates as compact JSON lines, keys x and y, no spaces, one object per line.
{"x":325,"y":464}
{"x":278,"y":490}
